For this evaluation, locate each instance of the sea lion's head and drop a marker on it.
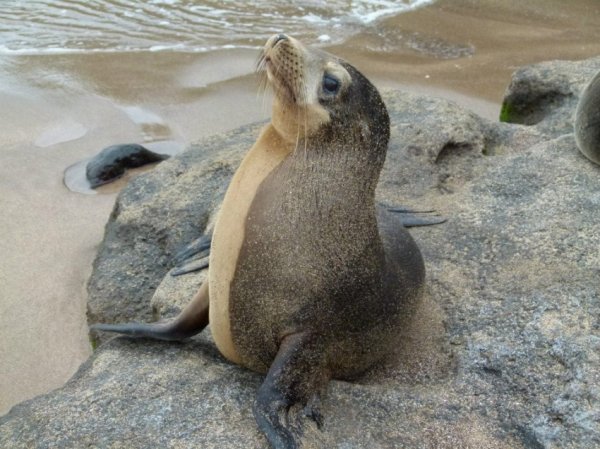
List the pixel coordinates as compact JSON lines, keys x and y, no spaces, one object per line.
{"x":318,"y":95}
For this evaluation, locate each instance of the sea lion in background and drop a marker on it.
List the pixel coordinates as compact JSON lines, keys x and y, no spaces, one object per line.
{"x":112,"y":162}
{"x":308,"y":279}
{"x":587,"y":121}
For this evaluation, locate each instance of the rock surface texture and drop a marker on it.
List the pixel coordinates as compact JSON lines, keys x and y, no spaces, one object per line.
{"x":503,"y":353}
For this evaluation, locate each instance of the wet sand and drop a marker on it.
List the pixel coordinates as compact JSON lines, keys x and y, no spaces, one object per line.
{"x":496,"y":37}
{"x":56,"y":110}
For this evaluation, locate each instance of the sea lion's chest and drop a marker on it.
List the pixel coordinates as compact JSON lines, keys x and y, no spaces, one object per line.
{"x":307,"y":254}
{"x":229,"y":232}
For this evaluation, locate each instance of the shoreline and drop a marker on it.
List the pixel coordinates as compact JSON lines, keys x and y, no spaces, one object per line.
{"x":59,"y":109}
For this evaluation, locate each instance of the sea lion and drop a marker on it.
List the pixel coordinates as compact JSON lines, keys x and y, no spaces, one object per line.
{"x":112,"y":162}
{"x":308,"y":279}
{"x":587,"y":121}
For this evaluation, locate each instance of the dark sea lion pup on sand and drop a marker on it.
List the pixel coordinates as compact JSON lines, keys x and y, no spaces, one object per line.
{"x":308,"y":279}
{"x":112,"y":162}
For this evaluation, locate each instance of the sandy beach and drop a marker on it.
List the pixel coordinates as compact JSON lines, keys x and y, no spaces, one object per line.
{"x":58,"y":109}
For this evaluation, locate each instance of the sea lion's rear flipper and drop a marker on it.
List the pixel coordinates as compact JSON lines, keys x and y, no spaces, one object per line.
{"x":192,"y":319}
{"x":411,"y":219}
{"x":194,"y":256}
{"x":296,"y":377}
{"x":191,"y":266}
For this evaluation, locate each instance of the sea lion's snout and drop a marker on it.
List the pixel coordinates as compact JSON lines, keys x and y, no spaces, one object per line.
{"x":310,"y":85}
{"x":283,"y":59}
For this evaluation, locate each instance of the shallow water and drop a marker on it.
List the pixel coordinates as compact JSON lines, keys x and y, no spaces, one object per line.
{"x":46,"y":26}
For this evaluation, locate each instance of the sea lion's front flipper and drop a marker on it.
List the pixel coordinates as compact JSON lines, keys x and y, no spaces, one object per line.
{"x":191,"y":266}
{"x":194,"y":256}
{"x":201,"y":245}
{"x":296,"y":376}
{"x":192,"y":319}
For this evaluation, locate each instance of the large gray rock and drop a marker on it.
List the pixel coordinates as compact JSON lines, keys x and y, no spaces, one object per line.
{"x":155,"y":217}
{"x":504,"y":351}
{"x":546,"y":94}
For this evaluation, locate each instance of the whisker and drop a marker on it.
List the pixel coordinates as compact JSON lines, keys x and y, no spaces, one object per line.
{"x":261,"y":62}
{"x":262,"y":87}
{"x":305,"y":135}
{"x":263,"y":80}
{"x":297,"y":133}
{"x":305,"y":96}
{"x":260,"y":70}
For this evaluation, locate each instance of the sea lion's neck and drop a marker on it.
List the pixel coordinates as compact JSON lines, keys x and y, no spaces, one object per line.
{"x":292,"y":121}
{"x":338,"y":166}
{"x":320,"y":189}
{"x":332,"y":169}
{"x":319,"y":208}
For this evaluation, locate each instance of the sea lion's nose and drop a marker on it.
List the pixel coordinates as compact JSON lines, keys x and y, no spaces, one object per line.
{"x":279,"y":37}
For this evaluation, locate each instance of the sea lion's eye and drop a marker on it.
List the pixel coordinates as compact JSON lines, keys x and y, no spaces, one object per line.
{"x":330,"y":84}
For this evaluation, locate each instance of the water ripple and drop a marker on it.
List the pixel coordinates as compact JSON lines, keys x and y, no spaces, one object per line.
{"x":48,"y":26}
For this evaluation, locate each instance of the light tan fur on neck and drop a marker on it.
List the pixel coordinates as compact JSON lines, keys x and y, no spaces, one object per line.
{"x":295,"y":122}
{"x":268,"y":151}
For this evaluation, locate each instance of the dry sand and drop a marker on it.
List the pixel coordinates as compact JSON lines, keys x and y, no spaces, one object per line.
{"x":57,"y":110}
